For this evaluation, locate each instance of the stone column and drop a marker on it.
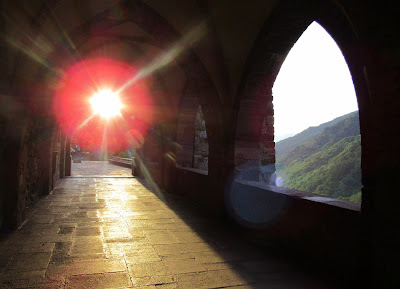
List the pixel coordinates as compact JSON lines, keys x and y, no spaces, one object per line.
{"x":68,"y":158}
{"x":62,"y":154}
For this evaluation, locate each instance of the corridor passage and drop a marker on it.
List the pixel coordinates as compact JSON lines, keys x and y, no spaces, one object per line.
{"x":119,"y":232}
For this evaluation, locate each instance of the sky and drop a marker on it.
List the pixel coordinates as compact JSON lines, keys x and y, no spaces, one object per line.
{"x":313,"y":86}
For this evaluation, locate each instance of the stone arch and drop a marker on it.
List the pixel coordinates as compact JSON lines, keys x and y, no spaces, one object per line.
{"x":188,"y":61}
{"x":254,"y":139}
{"x":152,"y":153}
{"x":197,"y":76}
{"x":254,"y":146}
{"x":192,"y":135}
{"x":185,"y":130}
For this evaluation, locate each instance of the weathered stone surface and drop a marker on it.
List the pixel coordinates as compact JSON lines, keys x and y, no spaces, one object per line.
{"x":133,"y":241}
{"x":99,"y":281}
{"x":211,"y":279}
{"x":159,"y":237}
{"x":148,"y":269}
{"x":86,"y":267}
{"x":29,"y":262}
{"x":153,"y":280}
{"x":200,"y":145}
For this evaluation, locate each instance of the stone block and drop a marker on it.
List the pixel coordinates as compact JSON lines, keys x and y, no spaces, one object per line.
{"x":212,"y":279}
{"x":99,"y":281}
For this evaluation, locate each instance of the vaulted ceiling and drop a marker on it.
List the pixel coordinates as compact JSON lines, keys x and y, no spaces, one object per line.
{"x":214,"y":37}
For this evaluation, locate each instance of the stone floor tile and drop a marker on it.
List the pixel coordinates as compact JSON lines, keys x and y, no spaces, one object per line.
{"x":38,"y":248}
{"x":29,"y":262}
{"x":141,"y":255}
{"x":137,"y":244}
{"x":176,"y":249}
{"x":99,"y":281}
{"x":159,"y":237}
{"x":13,"y":275}
{"x":33,"y":283}
{"x":136,"y":233}
{"x":86,"y":267}
{"x":168,"y":286}
{"x":87,"y":257}
{"x":154,"y":280}
{"x":88,"y":231}
{"x":66,"y":229}
{"x":42,"y":219}
{"x":30,"y":228}
{"x":145,"y":287}
{"x":219,"y":266}
{"x":87,"y":245}
{"x":53,"y":238}
{"x":114,"y":250}
{"x":148,"y":269}
{"x":211,"y":279}
{"x":184,"y":266}
{"x":187,"y":237}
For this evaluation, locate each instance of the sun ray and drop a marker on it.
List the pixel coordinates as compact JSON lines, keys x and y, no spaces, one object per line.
{"x":166,"y":58}
{"x":85,"y":122}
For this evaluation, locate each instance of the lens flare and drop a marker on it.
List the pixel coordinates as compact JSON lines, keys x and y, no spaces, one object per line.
{"x":89,"y":105}
{"x":106,"y":103}
{"x":279,"y":181}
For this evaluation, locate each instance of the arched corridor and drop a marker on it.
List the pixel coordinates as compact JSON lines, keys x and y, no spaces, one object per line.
{"x":195,"y":80}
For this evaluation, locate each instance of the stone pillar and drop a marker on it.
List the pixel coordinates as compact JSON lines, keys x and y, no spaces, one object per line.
{"x":381,"y":168}
{"x":185,"y":133}
{"x":200,"y":146}
{"x":62,"y":155}
{"x":68,"y":159}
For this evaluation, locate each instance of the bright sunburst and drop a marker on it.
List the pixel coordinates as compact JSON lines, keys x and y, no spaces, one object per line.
{"x":106,"y":103}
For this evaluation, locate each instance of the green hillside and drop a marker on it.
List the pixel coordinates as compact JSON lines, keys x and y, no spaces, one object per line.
{"x":287,"y":145}
{"x":326,"y":164}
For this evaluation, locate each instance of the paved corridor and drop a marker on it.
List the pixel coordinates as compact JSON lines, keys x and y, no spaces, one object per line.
{"x":99,"y":168}
{"x":98,"y":232}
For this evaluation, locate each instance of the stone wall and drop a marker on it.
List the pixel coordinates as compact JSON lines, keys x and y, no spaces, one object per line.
{"x":185,"y":131}
{"x":200,"y":148}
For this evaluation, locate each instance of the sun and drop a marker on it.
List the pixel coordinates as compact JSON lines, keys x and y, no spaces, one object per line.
{"x":106,"y":103}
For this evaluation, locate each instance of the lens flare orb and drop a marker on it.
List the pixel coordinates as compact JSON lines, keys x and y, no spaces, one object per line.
{"x":106,"y":103}
{"x":103,"y":105}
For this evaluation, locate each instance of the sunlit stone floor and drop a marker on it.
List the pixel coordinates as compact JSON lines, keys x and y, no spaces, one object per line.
{"x":99,"y":168}
{"x":98,"y":232}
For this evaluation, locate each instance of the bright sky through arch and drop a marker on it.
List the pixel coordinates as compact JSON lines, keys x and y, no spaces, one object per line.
{"x":313,"y":86}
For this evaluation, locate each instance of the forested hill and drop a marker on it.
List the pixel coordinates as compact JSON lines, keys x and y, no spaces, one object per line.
{"x":326,"y":163}
{"x":288,"y":144}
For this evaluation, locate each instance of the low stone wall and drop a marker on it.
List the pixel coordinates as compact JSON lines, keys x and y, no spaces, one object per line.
{"x":321,"y":230}
{"x":122,"y":162}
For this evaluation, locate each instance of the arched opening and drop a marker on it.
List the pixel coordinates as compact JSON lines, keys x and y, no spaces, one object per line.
{"x":192,"y":136}
{"x":200,"y":146}
{"x":316,"y":121}
{"x":254,"y":200}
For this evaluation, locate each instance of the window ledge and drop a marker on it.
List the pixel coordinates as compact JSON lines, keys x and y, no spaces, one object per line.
{"x":202,"y":172}
{"x":304,"y":195}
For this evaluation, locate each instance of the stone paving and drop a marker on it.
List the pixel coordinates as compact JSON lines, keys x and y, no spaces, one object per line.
{"x":99,"y":168}
{"x":102,"y":232}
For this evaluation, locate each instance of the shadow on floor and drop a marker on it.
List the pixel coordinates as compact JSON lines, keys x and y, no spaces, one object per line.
{"x":263,"y":263}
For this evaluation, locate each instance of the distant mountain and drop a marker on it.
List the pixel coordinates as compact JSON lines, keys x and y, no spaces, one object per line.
{"x":326,"y":163}
{"x":288,"y":144}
